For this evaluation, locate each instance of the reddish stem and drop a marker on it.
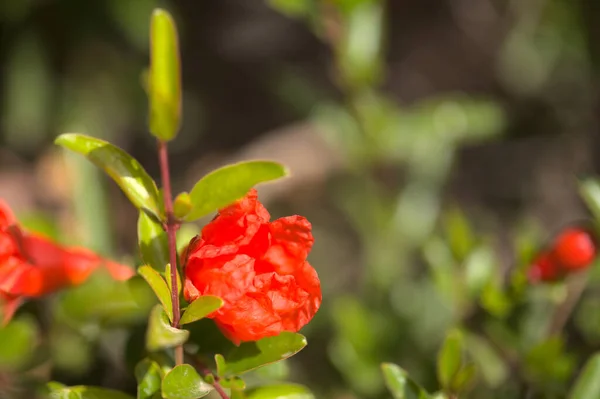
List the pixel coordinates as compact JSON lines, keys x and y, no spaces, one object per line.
{"x":206,"y":371}
{"x":171,"y":226}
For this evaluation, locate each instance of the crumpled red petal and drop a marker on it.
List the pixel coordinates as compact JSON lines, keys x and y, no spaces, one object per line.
{"x":258,"y":268}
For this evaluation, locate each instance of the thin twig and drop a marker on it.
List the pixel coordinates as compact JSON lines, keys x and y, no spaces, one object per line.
{"x":576,"y":286}
{"x":206,"y":371}
{"x":171,"y":226}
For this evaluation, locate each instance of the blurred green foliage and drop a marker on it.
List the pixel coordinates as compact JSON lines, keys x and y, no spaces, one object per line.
{"x":434,"y":294}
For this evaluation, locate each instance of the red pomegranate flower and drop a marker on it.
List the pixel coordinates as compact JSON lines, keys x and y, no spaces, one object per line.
{"x":257,"y":267}
{"x":32,"y":265}
{"x":573,"y":250}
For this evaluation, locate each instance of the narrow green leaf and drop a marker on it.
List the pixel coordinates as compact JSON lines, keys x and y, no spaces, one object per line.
{"x":587,"y":385}
{"x":251,"y":355}
{"x":85,"y":392}
{"x":169,"y":281}
{"x":450,"y":358}
{"x":281,"y":391}
{"x":200,"y":308}
{"x":224,"y":186}
{"x":159,"y":286}
{"x":148,"y":377}
{"x":161,"y":334}
{"x":221,"y":365}
{"x":400,"y":385}
{"x":183,"y":382}
{"x":137,"y":185}
{"x":153,"y":243}
{"x":164,"y":77}
{"x":590,"y":192}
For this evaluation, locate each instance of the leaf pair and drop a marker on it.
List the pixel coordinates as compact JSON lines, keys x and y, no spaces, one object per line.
{"x":214,"y":191}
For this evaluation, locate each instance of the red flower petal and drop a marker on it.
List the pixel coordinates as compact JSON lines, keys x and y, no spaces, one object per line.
{"x":574,"y":249}
{"x":545,"y":269}
{"x":258,"y":268}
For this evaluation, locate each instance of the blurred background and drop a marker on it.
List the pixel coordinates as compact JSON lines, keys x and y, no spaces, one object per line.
{"x":434,"y":145}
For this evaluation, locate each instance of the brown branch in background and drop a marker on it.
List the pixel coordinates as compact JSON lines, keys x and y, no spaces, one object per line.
{"x":171,"y":227}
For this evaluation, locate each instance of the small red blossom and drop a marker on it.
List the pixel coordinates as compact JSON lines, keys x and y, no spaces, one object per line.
{"x":257,"y":267}
{"x":544,"y":268}
{"x":32,"y":266}
{"x":573,"y":250}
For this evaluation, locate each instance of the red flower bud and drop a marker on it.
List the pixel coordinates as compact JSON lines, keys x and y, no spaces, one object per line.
{"x":257,"y":267}
{"x":32,"y":265}
{"x":545,"y":269}
{"x":574,"y":249}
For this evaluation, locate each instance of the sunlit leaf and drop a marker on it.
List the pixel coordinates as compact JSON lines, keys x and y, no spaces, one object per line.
{"x":161,"y":334}
{"x":200,"y":308}
{"x":230,"y":183}
{"x":137,"y":185}
{"x":184,"y":382}
{"x":251,"y":355}
{"x":587,"y":385}
{"x":153,"y":243}
{"x":182,"y":205}
{"x":159,"y":286}
{"x":148,"y":377}
{"x":280,"y":391}
{"x":399,"y":383}
{"x":164,"y":77}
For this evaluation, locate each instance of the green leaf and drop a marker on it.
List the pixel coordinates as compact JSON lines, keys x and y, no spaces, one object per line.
{"x":153,"y":243}
{"x":164,"y":77}
{"x":148,"y":377}
{"x":183,"y":382}
{"x":234,"y":382}
{"x":251,"y":355}
{"x":464,"y":378}
{"x":200,"y":308}
{"x":399,"y":383}
{"x":587,"y":385}
{"x":459,"y":233}
{"x":292,"y":8}
{"x":359,"y":55}
{"x":182,"y":205}
{"x":450,"y":358}
{"x":17,"y":343}
{"x":221,"y":365}
{"x":107,"y":302}
{"x":224,"y":186}
{"x":161,"y":334}
{"x":85,"y":392}
{"x":489,"y":363}
{"x":137,"y":185}
{"x":169,"y":281}
{"x":159,"y":286}
{"x":281,"y":391}
{"x":590,"y":192}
